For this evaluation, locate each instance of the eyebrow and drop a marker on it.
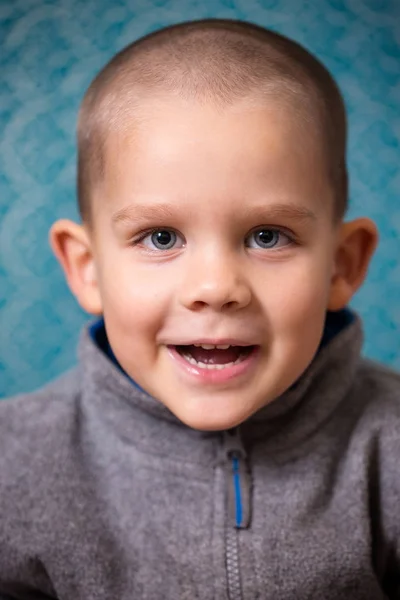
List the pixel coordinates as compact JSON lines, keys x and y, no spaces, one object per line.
{"x":136,"y":212}
{"x":281,"y":210}
{"x":139,"y":212}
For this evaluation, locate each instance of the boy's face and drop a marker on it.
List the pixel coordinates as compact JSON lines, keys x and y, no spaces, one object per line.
{"x":215,"y":228}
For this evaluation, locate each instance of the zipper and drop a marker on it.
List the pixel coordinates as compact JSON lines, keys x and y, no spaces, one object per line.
{"x":238,"y":506}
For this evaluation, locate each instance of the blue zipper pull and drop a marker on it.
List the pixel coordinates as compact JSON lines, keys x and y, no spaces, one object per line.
{"x":239,"y":480}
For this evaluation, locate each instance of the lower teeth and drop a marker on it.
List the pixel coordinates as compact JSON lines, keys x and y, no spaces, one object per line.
{"x":211,"y":367}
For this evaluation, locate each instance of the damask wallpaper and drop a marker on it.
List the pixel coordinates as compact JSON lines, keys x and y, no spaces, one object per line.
{"x":49,"y":52}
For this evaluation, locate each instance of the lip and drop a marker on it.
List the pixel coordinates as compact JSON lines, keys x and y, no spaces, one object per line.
{"x":213,"y":342}
{"x":211,"y":376}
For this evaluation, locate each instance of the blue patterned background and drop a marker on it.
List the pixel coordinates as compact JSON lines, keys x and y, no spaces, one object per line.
{"x":50,"y":51}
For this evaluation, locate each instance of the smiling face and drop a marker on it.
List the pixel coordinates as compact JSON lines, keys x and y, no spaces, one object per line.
{"x":214,"y":229}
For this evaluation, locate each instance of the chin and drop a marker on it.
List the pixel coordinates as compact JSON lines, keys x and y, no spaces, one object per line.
{"x":212,"y":421}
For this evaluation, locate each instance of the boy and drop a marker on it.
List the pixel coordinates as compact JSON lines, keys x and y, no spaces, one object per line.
{"x":221,"y":436}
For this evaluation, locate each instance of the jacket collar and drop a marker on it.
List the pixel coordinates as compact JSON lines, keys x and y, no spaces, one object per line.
{"x":110,"y":396}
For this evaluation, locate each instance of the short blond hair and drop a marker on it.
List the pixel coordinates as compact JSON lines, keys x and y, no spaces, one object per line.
{"x":211,"y":60}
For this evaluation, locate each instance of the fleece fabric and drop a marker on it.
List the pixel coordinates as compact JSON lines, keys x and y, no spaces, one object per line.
{"x":105,"y":495}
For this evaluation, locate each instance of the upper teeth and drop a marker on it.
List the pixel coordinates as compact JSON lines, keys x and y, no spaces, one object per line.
{"x":211,"y":346}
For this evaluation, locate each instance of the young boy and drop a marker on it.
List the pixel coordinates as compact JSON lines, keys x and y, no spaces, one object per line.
{"x":221,"y":437}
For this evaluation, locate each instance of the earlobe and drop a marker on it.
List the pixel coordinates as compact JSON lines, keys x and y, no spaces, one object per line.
{"x":71,"y":245}
{"x":356,"y":245}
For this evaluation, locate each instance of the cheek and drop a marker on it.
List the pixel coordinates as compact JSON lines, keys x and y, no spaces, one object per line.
{"x":134,"y":298}
{"x":297,"y":295}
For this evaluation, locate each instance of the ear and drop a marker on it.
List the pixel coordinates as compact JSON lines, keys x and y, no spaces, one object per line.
{"x":72,"y":247}
{"x":356,"y":244}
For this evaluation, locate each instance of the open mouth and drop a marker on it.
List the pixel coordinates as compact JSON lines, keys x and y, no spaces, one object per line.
{"x":206,"y":356}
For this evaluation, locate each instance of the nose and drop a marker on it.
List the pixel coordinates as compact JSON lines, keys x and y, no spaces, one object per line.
{"x":215,"y":280}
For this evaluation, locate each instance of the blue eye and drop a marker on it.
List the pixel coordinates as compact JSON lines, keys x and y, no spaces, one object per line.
{"x":161,"y":239}
{"x":267,"y":238}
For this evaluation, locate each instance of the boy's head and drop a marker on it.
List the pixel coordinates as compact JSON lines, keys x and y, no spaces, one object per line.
{"x":219,"y":64}
{"x":212,"y":186}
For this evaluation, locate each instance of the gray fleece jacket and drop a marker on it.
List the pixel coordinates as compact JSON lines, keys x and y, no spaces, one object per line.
{"x":105,"y":495}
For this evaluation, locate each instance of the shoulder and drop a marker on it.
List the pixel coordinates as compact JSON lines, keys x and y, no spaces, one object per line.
{"x":376,"y":396}
{"x":37,"y":473}
{"x":380,"y":375}
{"x":373,"y":403}
{"x":37,"y":410}
{"x":378,"y":388}
{"x":379,"y":433}
{"x":33,"y":428}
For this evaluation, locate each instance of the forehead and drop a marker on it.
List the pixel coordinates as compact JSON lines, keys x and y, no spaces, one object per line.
{"x":173,"y":149}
